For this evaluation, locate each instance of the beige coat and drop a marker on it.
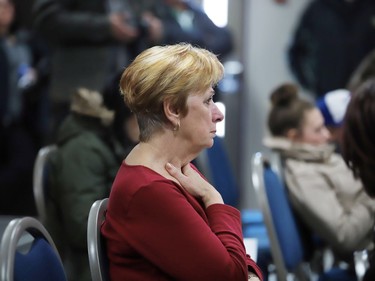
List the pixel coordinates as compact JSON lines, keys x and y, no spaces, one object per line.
{"x":325,"y":194}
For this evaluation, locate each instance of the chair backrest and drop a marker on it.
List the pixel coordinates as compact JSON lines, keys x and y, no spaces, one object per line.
{"x":285,"y":240}
{"x":215,"y":165}
{"x":96,"y":245}
{"x":40,"y":179}
{"x":35,"y":260}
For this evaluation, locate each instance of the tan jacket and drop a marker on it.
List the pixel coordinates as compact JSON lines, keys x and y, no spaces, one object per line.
{"x":325,"y":194}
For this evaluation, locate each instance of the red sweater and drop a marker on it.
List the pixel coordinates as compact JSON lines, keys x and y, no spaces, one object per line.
{"x":155,"y":230}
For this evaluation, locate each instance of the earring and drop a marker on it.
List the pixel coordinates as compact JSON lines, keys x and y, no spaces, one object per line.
{"x":177,"y":127}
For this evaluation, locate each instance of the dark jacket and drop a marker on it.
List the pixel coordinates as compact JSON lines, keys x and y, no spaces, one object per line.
{"x":83,"y":47}
{"x":17,"y":156}
{"x":331,"y":39}
{"x":203,"y":32}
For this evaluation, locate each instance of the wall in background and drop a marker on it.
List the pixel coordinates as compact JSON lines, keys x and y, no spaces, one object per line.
{"x":266,"y":31}
{"x":262,"y":30}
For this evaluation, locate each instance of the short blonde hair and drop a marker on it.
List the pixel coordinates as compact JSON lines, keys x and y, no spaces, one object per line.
{"x":162,"y":73}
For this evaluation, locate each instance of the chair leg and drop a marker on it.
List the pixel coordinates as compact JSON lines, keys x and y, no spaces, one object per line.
{"x":361,"y":263}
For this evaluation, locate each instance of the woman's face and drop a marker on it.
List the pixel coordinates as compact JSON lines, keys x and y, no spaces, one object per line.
{"x":198,"y":127}
{"x":313,"y":129}
{"x":6,"y":15}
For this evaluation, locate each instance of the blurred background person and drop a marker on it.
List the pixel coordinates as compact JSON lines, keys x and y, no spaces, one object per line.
{"x":182,"y":21}
{"x":357,"y":135}
{"x":330,"y":40}
{"x":358,"y":144}
{"x":323,"y":192}
{"x":35,"y":90}
{"x":90,"y":42}
{"x":363,"y":72}
{"x":185,"y":21}
{"x":82,"y":171}
{"x":17,"y":145}
{"x":333,"y":107}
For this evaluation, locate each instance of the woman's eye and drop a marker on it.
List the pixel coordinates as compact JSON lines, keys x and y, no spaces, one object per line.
{"x":209,"y":100}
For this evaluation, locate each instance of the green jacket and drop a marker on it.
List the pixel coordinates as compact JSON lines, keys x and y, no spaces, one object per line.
{"x":81,"y":172}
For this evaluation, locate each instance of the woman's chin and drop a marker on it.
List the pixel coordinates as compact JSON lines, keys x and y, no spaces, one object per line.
{"x":210,"y":143}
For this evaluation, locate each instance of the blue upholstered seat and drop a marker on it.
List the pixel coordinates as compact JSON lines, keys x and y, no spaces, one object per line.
{"x":287,"y":249}
{"x":40,"y":263}
{"x":28,"y":253}
{"x":222,"y":174}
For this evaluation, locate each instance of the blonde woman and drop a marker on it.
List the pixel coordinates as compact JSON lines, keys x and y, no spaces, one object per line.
{"x":164,"y":220}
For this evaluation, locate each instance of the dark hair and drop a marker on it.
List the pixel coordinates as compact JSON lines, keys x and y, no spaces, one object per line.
{"x":358,"y":138}
{"x":113,"y":100}
{"x":365,"y":71}
{"x":287,"y":110}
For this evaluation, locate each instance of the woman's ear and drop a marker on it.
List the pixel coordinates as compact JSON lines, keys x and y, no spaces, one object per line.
{"x":171,"y":112}
{"x":292,"y":134}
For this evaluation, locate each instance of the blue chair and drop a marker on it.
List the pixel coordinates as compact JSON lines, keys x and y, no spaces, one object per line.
{"x":253,"y":226}
{"x":286,"y":244}
{"x":28,"y":253}
{"x":215,"y":164}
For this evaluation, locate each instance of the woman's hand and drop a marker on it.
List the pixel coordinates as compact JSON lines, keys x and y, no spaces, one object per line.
{"x":155,"y":27}
{"x":121,"y":30}
{"x":193,"y":183}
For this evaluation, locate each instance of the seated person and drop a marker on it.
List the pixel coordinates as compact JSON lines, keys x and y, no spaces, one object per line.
{"x":333,"y":107}
{"x":358,"y":143}
{"x":81,"y":172}
{"x":164,"y":220}
{"x":322,"y":190}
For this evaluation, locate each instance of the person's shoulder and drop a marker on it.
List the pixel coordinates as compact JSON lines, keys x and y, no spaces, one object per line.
{"x":89,"y":145}
{"x":85,"y":139}
{"x":337,"y":160}
{"x":297,"y":166}
{"x":142,"y":183}
{"x":142,"y":176}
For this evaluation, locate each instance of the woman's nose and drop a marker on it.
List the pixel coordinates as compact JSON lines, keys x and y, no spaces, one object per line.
{"x":327,"y":134}
{"x":217,"y":115}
